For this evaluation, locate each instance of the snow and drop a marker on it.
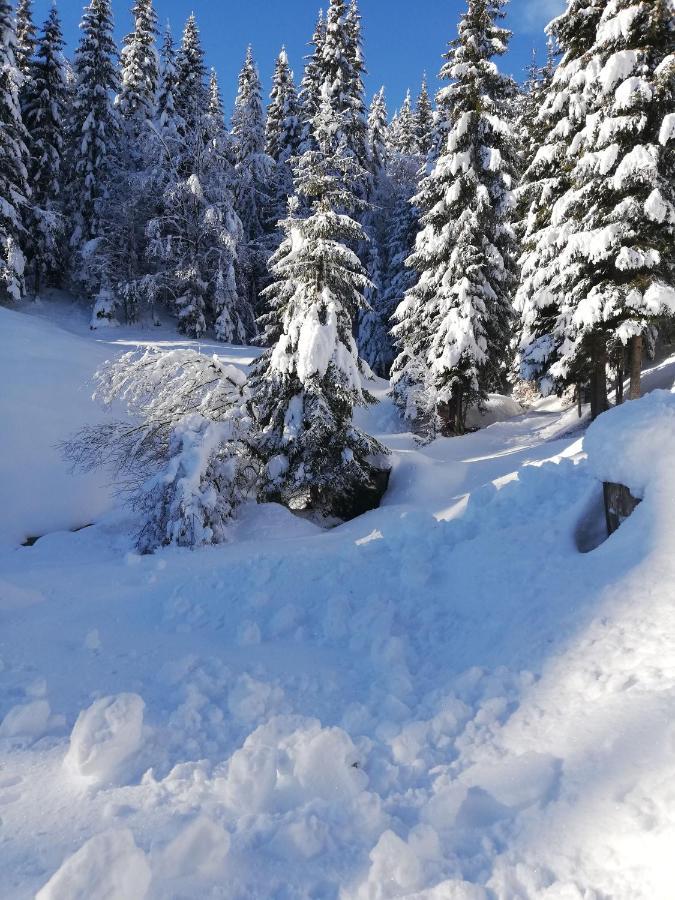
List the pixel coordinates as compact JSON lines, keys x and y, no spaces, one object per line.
{"x":105,"y":736}
{"x":443,"y":699}
{"x":110,"y":865}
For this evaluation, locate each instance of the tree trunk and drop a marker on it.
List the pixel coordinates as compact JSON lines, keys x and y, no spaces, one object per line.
{"x":619,"y":378}
{"x":599,"y":401}
{"x":580,"y":399}
{"x":459,"y":417}
{"x":635,"y":351}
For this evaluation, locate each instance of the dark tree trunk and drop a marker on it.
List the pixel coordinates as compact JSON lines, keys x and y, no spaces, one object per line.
{"x":599,"y":401}
{"x":635,"y":352}
{"x":619,"y":378}
{"x":451,"y":414}
{"x":580,"y":399}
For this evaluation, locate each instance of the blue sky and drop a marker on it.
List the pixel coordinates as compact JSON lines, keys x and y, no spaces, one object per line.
{"x":402,"y":38}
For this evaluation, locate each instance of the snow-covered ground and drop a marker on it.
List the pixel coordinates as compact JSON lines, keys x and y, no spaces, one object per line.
{"x":442,"y":700}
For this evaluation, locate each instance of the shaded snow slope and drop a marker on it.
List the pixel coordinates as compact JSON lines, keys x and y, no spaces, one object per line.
{"x":442,"y":700}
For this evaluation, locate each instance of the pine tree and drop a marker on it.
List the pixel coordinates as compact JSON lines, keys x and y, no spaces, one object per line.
{"x":167,"y":117}
{"x":424,"y":120}
{"x":282,"y":127}
{"x":95,"y":125}
{"x":25,"y":36}
{"x":356,"y":127}
{"x":13,"y":162}
{"x":372,"y":330}
{"x":377,"y":134}
{"x":304,"y":389}
{"x":191,"y":95}
{"x":283,"y":133}
{"x":253,"y":196}
{"x":614,"y":271}
{"x":596,"y":267}
{"x":137,"y":100}
{"x":403,"y":136}
{"x":454,"y":325}
{"x":312,"y":85}
{"x":45,"y":117}
{"x":196,"y":238}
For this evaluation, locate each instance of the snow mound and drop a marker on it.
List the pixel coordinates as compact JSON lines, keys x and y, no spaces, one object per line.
{"x":497,"y":408}
{"x":27,"y":720}
{"x":199,"y":850}
{"x":105,"y":736}
{"x":108,"y":866}
{"x":633,"y":443}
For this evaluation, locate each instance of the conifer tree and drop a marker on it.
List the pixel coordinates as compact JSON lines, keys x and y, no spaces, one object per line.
{"x":373,"y":327}
{"x":304,"y":389}
{"x":137,"y":100}
{"x":282,"y":126}
{"x":616,"y":272}
{"x":168,"y":126}
{"x":191,"y":94}
{"x":312,"y":85}
{"x":45,"y":117}
{"x":598,"y":263}
{"x":25,"y":36}
{"x":95,"y":126}
{"x":377,"y":133}
{"x":424,"y":120}
{"x":253,"y":168}
{"x":454,"y":325}
{"x":403,"y":134}
{"x":283,"y":132}
{"x":13,"y":164}
{"x":356,"y":128}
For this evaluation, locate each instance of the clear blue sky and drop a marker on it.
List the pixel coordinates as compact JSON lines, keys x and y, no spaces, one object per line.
{"x":403,"y":38}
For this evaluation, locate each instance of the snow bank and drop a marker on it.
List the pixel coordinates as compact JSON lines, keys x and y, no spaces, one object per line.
{"x":634,"y":444}
{"x":108,"y":866}
{"x":498,"y":408}
{"x":45,"y":374}
{"x":105,"y":736}
{"x":26,"y":720}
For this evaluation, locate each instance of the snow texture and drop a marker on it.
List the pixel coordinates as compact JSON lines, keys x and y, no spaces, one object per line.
{"x":443,"y":698}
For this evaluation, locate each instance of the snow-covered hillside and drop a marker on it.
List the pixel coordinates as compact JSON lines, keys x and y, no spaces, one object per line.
{"x":443,"y":699}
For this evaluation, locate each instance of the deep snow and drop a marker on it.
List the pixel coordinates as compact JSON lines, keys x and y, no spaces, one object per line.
{"x":444,"y":699}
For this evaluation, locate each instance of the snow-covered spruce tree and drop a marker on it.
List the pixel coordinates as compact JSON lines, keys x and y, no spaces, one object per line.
{"x":253,"y":167}
{"x":25,"y":36}
{"x":600,"y":269}
{"x":402,"y":136}
{"x":13,"y":164}
{"x":282,"y":135}
{"x":45,"y":112}
{"x":282,"y":126}
{"x":356,"y":126}
{"x":373,"y":337}
{"x":545,"y":181}
{"x":168,"y":126}
{"x":137,"y":99}
{"x":311,"y":86}
{"x":130,"y":200}
{"x":187,"y":458}
{"x":378,"y":125}
{"x":190,"y":95}
{"x":617,"y":268}
{"x":94,"y":131}
{"x":196,"y":238}
{"x":304,"y":389}
{"x":454,"y":325}
{"x":424,"y":120}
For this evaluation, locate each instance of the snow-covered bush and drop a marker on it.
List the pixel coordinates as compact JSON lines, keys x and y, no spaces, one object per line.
{"x":188,"y":459}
